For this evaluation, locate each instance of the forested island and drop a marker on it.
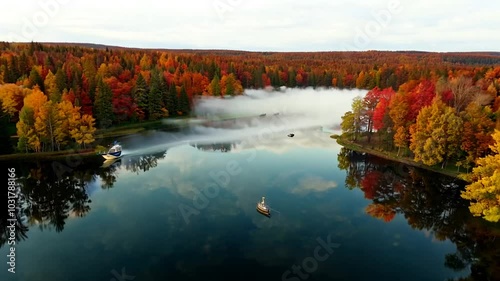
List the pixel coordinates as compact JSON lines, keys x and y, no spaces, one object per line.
{"x":439,"y":109}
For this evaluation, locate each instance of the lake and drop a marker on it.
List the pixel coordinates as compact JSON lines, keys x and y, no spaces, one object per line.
{"x":181,"y":205}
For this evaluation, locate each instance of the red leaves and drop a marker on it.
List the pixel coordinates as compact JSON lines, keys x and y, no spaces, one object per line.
{"x":380,"y":211}
{"x":370,"y":183}
{"x":377,"y":102}
{"x":379,"y":114}
{"x":123,"y":106}
{"x":421,"y":96}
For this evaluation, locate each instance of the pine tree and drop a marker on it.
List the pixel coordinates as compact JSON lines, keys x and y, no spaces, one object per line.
{"x":103,"y":104}
{"x":184,"y":102}
{"x":172,"y":105}
{"x":60,"y":81}
{"x":5,"y":143}
{"x":214,"y":87}
{"x":155,"y":98}
{"x":165,"y":95}
{"x":141,"y":96}
{"x":36,"y":80}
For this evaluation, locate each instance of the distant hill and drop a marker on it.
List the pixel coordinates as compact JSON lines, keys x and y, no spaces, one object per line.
{"x":239,"y":52}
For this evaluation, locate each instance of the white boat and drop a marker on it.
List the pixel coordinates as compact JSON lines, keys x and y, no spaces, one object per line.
{"x":114,"y":152}
{"x":263,"y":208}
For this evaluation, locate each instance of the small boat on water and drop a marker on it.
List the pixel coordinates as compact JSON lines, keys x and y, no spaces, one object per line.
{"x":263,"y":115}
{"x":291,"y":135}
{"x":114,"y":152}
{"x":263,"y":208}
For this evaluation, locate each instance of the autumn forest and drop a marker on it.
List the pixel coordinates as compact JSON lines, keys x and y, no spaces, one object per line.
{"x":438,"y":108}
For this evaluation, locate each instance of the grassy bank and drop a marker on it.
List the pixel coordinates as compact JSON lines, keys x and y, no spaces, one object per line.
{"x":116,"y":131}
{"x":126,"y":129}
{"x":55,"y":155}
{"x":394,"y":157}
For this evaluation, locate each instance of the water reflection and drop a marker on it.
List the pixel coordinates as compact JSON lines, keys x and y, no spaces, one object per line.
{"x":430,"y":203}
{"x":214,"y":147}
{"x":308,"y":199}
{"x":48,"y":200}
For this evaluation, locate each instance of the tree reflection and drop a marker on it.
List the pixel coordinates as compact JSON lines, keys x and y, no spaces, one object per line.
{"x":221,"y":147}
{"x":47,"y":199}
{"x":143,"y":163}
{"x":428,"y":202}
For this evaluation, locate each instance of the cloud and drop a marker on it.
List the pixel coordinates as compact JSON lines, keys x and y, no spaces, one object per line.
{"x":285,"y":25}
{"x":313,"y":185}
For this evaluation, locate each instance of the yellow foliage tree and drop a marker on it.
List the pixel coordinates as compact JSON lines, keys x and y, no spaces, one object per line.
{"x":214,"y":88}
{"x":484,"y":192}
{"x":51,"y":87}
{"x":229,"y":85}
{"x":436,"y":135}
{"x":68,"y":117}
{"x":401,"y":138}
{"x":11,"y":95}
{"x":29,"y":139}
{"x":35,"y":100}
{"x":45,"y":123}
{"x":83,"y":133}
{"x":24,"y":128}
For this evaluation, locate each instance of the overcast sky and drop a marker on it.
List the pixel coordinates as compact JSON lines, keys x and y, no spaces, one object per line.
{"x":260,"y":25}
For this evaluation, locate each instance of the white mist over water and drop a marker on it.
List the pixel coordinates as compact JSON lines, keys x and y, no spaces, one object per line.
{"x":289,"y":110}
{"x":260,"y":115}
{"x":315,"y":106}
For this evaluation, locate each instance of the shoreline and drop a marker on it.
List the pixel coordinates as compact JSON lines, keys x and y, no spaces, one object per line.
{"x":113,"y":132}
{"x":385,"y":155}
{"x":51,"y":155}
{"x":88,"y":153}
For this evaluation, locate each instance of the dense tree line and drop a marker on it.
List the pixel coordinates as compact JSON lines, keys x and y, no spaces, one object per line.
{"x":109,"y":86}
{"x":452,"y":120}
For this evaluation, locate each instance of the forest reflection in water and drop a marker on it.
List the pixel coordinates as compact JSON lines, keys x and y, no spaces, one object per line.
{"x":429,"y":202}
{"x":48,"y":196}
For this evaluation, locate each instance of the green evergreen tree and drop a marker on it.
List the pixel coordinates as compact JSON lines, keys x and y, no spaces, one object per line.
{"x":230,"y":85}
{"x":5,"y":142}
{"x":214,"y":87}
{"x":35,"y":79}
{"x":291,"y":78}
{"x":172,"y":105}
{"x":141,"y":94}
{"x":60,"y":81}
{"x":184,"y":102}
{"x":103,"y":106}
{"x":12,"y":71}
{"x":155,"y":98}
{"x":24,"y":68}
{"x":167,"y":103}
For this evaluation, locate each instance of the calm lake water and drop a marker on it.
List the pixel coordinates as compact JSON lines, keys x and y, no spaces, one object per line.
{"x":180,"y":205}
